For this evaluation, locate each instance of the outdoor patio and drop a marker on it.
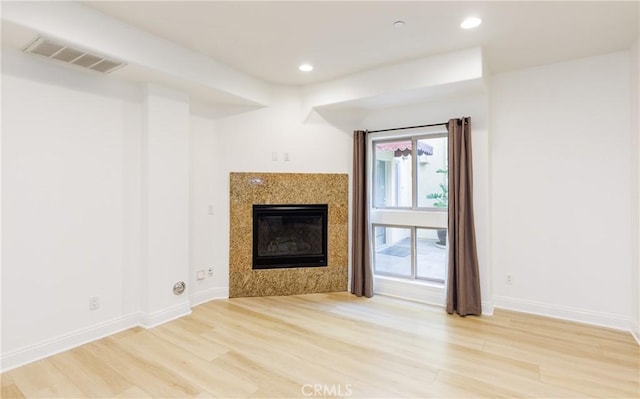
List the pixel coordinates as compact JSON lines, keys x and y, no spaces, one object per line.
{"x":395,"y":259}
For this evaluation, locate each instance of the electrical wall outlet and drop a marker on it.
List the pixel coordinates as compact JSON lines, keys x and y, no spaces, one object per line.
{"x":508,"y":280}
{"x":200,"y":275}
{"x":94,"y":303}
{"x":211,"y":272}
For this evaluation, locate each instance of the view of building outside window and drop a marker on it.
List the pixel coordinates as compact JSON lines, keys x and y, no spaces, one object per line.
{"x":393,"y":174}
{"x":393,"y":179}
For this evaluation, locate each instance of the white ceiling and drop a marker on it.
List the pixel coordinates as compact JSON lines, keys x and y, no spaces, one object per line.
{"x":268,"y":40}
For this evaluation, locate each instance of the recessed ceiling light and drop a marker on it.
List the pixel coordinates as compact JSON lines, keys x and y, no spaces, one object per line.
{"x":306,"y":67}
{"x":470,"y":23}
{"x":398,"y":24}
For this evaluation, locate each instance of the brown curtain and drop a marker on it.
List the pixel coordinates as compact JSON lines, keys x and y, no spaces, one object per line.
{"x":361,"y":273}
{"x":463,"y":285}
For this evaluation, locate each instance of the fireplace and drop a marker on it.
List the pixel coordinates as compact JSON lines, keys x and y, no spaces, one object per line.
{"x":287,"y":236}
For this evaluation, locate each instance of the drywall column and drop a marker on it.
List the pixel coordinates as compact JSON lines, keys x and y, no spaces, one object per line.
{"x":635,"y":188}
{"x":165,"y":204}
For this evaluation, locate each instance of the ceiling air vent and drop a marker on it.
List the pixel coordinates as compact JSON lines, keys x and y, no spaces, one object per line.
{"x":56,"y":51}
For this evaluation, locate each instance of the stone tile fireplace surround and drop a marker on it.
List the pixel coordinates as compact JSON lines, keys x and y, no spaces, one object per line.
{"x":247,"y":189}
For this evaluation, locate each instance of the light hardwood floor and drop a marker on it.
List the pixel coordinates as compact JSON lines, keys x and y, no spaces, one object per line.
{"x":339,"y":345}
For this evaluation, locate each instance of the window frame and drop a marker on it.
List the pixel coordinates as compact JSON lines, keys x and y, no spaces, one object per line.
{"x":413,"y":251}
{"x":446,"y":262}
{"x":413,"y":217}
{"x":414,"y":254}
{"x":414,"y":169}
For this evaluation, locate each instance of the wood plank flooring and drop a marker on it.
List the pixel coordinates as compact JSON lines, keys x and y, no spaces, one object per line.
{"x":342,"y":346}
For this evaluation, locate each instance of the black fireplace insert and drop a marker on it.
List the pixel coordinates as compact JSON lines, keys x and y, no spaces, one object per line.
{"x":289,"y":236}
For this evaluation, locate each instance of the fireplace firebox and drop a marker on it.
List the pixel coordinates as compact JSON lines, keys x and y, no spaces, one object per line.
{"x":289,"y":236}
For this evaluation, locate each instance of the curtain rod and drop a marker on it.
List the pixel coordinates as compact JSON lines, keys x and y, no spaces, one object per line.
{"x":408,"y":127}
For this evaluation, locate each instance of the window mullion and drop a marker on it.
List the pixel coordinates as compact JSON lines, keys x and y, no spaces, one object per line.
{"x":414,"y":173}
{"x":414,"y":253}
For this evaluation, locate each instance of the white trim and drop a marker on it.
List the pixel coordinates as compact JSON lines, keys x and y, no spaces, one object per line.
{"x":418,"y":291}
{"x":149,"y":320}
{"x":635,"y":331}
{"x":616,"y":321}
{"x":487,"y":308}
{"x":31,"y":353}
{"x":412,"y":290}
{"x":49,"y":347}
{"x":208,"y":295}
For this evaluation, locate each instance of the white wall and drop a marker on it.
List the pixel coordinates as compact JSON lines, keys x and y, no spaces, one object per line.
{"x":246,"y":143}
{"x":1,"y":228}
{"x":474,"y":105}
{"x":165,"y":204}
{"x":65,"y":189}
{"x":560,"y":189}
{"x":95,"y":185}
{"x":635,"y":185}
{"x":205,"y":221}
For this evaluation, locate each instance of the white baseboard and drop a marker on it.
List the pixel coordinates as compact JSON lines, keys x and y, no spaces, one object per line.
{"x":411,"y":291}
{"x":65,"y":342}
{"x":149,"y":320}
{"x":49,"y":347}
{"x":208,"y":295}
{"x":635,"y":331}
{"x":487,"y":308}
{"x":616,"y":321}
